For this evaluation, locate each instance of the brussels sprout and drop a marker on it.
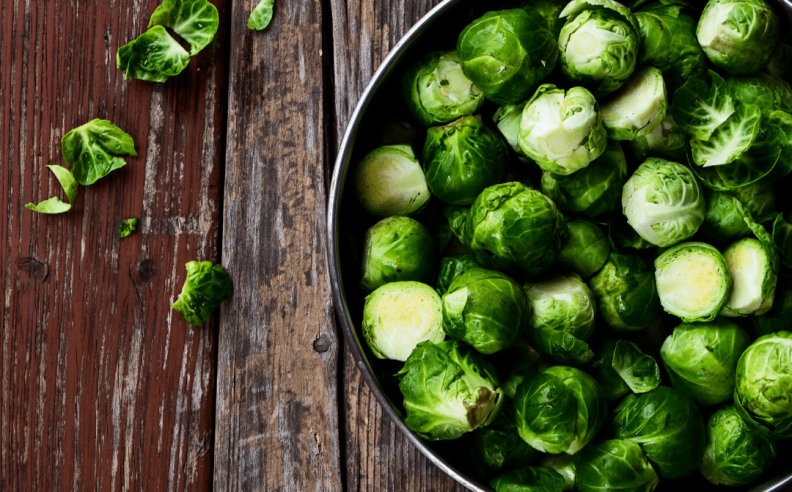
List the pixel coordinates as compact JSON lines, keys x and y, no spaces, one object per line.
{"x":397,"y":248}
{"x":485,"y":309}
{"x":437,"y":91}
{"x":518,"y":370}
{"x":780,"y":65}
{"x":693,"y":281}
{"x":462,"y":158}
{"x":638,"y":107}
{"x":615,"y":465}
{"x":737,"y":453}
{"x":667,"y":426}
{"x":599,"y":44}
{"x":763,"y":90}
{"x":507,"y":118}
{"x":559,"y":410}
{"x":400,"y":315}
{"x":562,"y":318}
{"x":389,"y":181}
{"x":779,"y":317}
{"x":625,"y":292}
{"x":497,"y":448}
{"x":668,"y":42}
{"x":783,"y":166}
{"x":457,"y":218}
{"x":701,"y":359}
{"x":562,"y":130}
{"x":586,"y":249}
{"x":529,"y":479}
{"x":758,"y":199}
{"x":601,"y":367}
{"x":666,"y":141}
{"x":511,"y":226}
{"x":564,"y":465}
{"x":738,"y":36}
{"x":724,"y":220}
{"x":507,"y":53}
{"x":621,"y":367}
{"x":593,"y":190}
{"x":763,"y":392}
{"x":448,"y":390}
{"x":624,"y":236}
{"x":663,"y":202}
{"x":754,"y":277}
{"x":452,"y":267}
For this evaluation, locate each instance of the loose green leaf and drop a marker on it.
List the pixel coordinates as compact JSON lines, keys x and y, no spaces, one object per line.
{"x":700,"y":109}
{"x":88,"y":149}
{"x":730,"y":140}
{"x":194,"y":20}
{"x":54,"y":205}
{"x":153,"y":56}
{"x":261,"y":15}
{"x":207,"y":285}
{"x":126,"y":227}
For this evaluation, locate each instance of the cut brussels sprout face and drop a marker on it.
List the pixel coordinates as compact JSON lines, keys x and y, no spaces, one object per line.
{"x":462,"y":158}
{"x":753,"y":278}
{"x":389,"y":181}
{"x":400,"y":315}
{"x":663,"y":202}
{"x":625,"y":292}
{"x":666,"y":141}
{"x":586,"y":249}
{"x":763,"y":393}
{"x":437,"y":91}
{"x":693,"y":281}
{"x":638,"y":107}
{"x":562,"y":130}
{"x":507,"y":53}
{"x":738,"y":36}
{"x":448,"y":390}
{"x":615,"y":465}
{"x":737,"y":453}
{"x":701,"y":359}
{"x":530,"y":478}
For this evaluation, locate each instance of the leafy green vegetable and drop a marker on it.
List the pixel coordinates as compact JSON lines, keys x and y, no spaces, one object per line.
{"x":88,"y":149}
{"x":206,"y":286}
{"x":54,"y":205}
{"x":389,"y":181}
{"x":452,"y":267}
{"x":638,"y":107}
{"x":586,"y":249}
{"x":724,"y":220}
{"x":194,"y":20}
{"x":638,"y":370}
{"x":126,"y":227}
{"x":730,"y":140}
{"x":763,"y":90}
{"x":261,"y":16}
{"x":497,"y":448}
{"x":529,"y":479}
{"x":700,"y":109}
{"x":666,"y":141}
{"x":614,"y":465}
{"x":564,"y":465}
{"x":154,"y":56}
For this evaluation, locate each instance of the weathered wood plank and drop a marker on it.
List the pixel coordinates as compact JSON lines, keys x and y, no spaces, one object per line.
{"x":378,"y":457}
{"x":277,"y":408}
{"x":102,"y":386}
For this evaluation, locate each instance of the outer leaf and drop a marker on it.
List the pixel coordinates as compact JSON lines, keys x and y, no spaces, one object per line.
{"x":194,"y":20}
{"x":88,"y":147}
{"x":698,"y":109}
{"x":54,"y":205}
{"x":207,"y":285}
{"x":261,"y":15}
{"x":126,"y":227}
{"x":730,"y":140}
{"x":153,"y":56}
{"x":638,"y":370}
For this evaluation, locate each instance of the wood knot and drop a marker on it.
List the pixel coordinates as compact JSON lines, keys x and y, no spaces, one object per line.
{"x":146,"y":268}
{"x":321,"y":344}
{"x":36,"y":269}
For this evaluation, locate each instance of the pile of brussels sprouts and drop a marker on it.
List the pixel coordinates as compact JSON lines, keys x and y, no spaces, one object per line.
{"x":585,"y":274}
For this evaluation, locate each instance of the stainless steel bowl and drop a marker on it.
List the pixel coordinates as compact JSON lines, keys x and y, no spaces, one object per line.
{"x":381,"y":97}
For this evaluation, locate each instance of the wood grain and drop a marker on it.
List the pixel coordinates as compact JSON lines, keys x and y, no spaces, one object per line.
{"x":102,"y":386}
{"x":277,"y":404}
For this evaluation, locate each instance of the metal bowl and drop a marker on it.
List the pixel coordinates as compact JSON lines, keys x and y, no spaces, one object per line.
{"x":382,"y":98}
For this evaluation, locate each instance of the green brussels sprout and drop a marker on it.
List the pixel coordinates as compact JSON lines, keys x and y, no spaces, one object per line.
{"x":457,"y":218}
{"x":763,"y":90}
{"x":497,"y":448}
{"x":620,"y":367}
{"x":437,"y":91}
{"x":561,"y":129}
{"x":737,"y":453}
{"x":559,"y":410}
{"x":448,"y":390}
{"x":780,"y":65}
{"x":666,"y":141}
{"x":701,"y":359}
{"x":783,"y":166}
{"x":507,"y":53}
{"x":724,"y":220}
{"x":528,"y":479}
{"x":779,"y":317}
{"x":663,"y":202}
{"x":518,"y":370}
{"x":615,"y":465}
{"x":397,"y":248}
{"x":758,"y":199}
{"x":562,"y":318}
{"x":625,"y":292}
{"x":638,"y":107}
{"x":564,"y":465}
{"x":485,"y":309}
{"x":586,"y":249}
{"x":763,"y":391}
{"x":507,"y":118}
{"x":549,"y":9}
{"x":693,"y":281}
{"x":511,"y":226}
{"x":594,"y":190}
{"x":738,"y":36}
{"x":389,"y":181}
{"x":753,"y":272}
{"x":400,"y":315}
{"x":452,"y":267}
{"x":599,"y":44}
{"x":668,"y":427}
{"x":462,"y":158}
{"x":601,"y":368}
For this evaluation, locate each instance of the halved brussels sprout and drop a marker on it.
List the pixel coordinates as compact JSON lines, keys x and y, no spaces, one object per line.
{"x":562,"y":130}
{"x":448,"y":390}
{"x":562,"y":318}
{"x":559,"y":410}
{"x":389,"y":181}
{"x":666,"y":141}
{"x":614,"y":465}
{"x":667,"y":426}
{"x":497,"y":448}
{"x":594,"y":190}
{"x":638,"y":107}
{"x":763,"y":393}
{"x":507,"y":118}
{"x":485,"y":309}
{"x":753,"y":276}
{"x":437,"y":91}
{"x":564,"y":465}
{"x":507,"y":53}
{"x":738,"y":36}
{"x":586,"y":249}
{"x":400,"y":315}
{"x":701,"y":359}
{"x":530,"y":478}
{"x":737,"y":453}
{"x":663,"y":202}
{"x":462,"y":158}
{"x":725,"y":218}
{"x":779,"y":317}
{"x":693,"y":281}
{"x":452,"y":267}
{"x":626,"y":293}
{"x":397,"y":248}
